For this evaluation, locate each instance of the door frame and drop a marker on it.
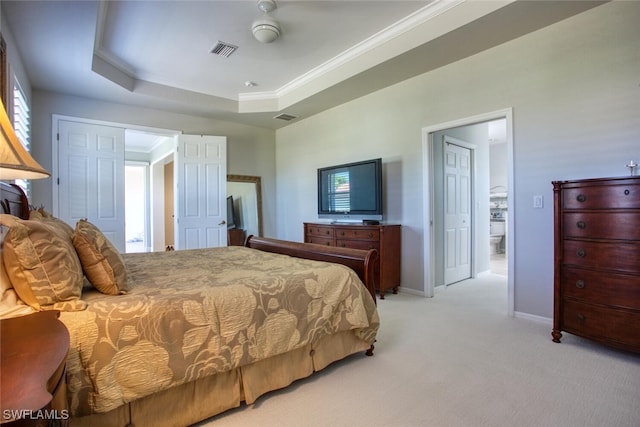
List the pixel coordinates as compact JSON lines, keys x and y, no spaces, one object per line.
{"x":429,"y":194}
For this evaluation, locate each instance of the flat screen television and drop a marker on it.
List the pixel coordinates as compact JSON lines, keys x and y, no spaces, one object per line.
{"x":231,"y":213}
{"x":351,"y":191}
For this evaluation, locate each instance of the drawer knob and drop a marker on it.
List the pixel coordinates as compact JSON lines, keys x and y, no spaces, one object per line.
{"x":581,"y":225}
{"x":581,"y":253}
{"x":370,"y":235}
{"x":581,"y":198}
{"x":580,"y":284}
{"x":328,"y":232}
{"x":342,"y":233}
{"x":626,"y":192}
{"x":580,"y":317}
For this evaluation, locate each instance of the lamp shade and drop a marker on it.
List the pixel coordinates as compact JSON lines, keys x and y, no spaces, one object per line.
{"x":15,"y":160}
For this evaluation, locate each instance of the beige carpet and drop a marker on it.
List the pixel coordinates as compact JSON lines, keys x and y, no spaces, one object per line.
{"x":459,"y":360}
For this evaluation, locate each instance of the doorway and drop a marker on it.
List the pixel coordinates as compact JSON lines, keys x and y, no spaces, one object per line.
{"x":434,"y":225}
{"x":136,"y":207}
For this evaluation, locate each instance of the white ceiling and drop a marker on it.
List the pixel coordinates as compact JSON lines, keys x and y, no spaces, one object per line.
{"x":157,"y":53}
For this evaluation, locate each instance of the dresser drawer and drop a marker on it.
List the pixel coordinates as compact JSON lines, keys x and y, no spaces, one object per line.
{"x":318,"y":240}
{"x":355,"y":233}
{"x":602,"y":225}
{"x":621,"y":257}
{"x":602,"y":323}
{"x":320,"y":231}
{"x":619,"y":290}
{"x":612,"y":196}
{"x":358,"y":244}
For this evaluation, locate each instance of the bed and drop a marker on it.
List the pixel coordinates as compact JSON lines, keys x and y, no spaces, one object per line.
{"x":193,"y":333}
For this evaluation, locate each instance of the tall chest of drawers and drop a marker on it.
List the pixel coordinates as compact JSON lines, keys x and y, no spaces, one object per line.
{"x":597,"y":261}
{"x":384,"y":238}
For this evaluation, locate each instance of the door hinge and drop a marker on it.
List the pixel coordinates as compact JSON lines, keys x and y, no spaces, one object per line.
{"x":58,"y":181}
{"x":58,"y":136}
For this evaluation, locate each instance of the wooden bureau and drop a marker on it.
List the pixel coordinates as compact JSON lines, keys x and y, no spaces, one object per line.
{"x":384,"y":238}
{"x":597,"y":260}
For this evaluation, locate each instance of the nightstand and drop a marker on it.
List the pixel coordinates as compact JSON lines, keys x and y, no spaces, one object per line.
{"x":33,"y":352}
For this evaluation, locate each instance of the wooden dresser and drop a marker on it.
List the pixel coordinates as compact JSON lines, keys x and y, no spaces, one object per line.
{"x":384,"y":238}
{"x":597,"y":261}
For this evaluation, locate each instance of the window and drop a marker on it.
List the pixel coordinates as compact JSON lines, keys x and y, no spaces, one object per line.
{"x":21,"y":125}
{"x":339,"y":194}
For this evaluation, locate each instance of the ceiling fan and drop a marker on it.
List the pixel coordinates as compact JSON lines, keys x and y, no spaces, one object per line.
{"x":266,"y":29}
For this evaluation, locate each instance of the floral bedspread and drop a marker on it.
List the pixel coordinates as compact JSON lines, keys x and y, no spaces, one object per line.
{"x":195,"y":313}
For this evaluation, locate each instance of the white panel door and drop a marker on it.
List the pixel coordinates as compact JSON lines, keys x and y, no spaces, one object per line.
{"x":201,"y":192}
{"x":91,"y":177}
{"x":457,"y":213}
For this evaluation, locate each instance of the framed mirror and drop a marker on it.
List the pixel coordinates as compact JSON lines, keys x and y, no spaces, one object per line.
{"x":246,"y":191}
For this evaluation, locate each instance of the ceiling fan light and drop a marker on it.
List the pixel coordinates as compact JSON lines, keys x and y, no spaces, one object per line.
{"x":265,"y":30}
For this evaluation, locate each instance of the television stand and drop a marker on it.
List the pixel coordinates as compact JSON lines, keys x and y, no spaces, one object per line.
{"x":384,"y":238}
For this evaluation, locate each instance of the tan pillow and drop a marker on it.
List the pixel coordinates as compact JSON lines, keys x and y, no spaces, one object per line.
{"x":42,"y":265}
{"x":42,"y":215}
{"x":101,"y":261}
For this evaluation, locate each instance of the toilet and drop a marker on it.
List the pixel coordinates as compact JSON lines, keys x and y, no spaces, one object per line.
{"x":496,"y":236}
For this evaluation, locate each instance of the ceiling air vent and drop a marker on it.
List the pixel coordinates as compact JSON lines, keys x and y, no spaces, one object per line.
{"x":286,"y":117}
{"x":223,"y":49}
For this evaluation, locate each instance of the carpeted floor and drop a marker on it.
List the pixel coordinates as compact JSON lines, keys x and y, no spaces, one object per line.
{"x":459,"y":360}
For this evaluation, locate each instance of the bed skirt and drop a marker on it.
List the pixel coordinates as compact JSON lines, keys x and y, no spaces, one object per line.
{"x":198,"y":400}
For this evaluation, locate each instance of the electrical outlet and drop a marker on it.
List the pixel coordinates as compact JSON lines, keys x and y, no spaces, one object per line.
{"x":538,"y":202}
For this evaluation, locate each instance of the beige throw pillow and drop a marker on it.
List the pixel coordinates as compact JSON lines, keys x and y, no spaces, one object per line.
{"x":42,"y":265}
{"x":42,"y":215}
{"x":101,"y":261}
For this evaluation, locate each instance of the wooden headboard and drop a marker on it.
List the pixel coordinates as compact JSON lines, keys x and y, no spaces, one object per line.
{"x":13,"y":200}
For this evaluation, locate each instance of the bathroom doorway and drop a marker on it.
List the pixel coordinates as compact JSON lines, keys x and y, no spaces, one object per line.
{"x":475,"y":130}
{"x":498,"y":197}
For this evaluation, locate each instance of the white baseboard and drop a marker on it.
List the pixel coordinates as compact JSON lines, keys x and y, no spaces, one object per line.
{"x":411,"y":292}
{"x":533,"y":317}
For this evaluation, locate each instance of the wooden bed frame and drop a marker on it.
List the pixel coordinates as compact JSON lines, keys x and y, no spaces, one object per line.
{"x":13,"y":201}
{"x":360,"y":261}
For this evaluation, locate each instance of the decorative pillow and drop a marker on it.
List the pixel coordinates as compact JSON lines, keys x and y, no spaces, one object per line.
{"x":42,"y":265}
{"x":42,"y":215}
{"x":101,"y":261}
{"x":10,"y":304}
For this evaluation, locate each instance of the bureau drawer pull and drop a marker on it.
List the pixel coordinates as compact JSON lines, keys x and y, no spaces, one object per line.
{"x":581,"y":225}
{"x":580,"y":317}
{"x":342,"y":233}
{"x":626,"y":192}
{"x":581,"y":253}
{"x":370,"y":235}
{"x":581,"y":198}
{"x":580,"y":284}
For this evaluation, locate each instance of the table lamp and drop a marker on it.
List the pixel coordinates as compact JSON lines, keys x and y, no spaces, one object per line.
{"x":15,"y":160}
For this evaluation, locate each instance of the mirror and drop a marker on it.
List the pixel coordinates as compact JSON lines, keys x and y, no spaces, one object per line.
{"x":247,"y":200}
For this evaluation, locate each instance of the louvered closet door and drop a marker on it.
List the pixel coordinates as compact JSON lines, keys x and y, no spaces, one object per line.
{"x":91,"y":174}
